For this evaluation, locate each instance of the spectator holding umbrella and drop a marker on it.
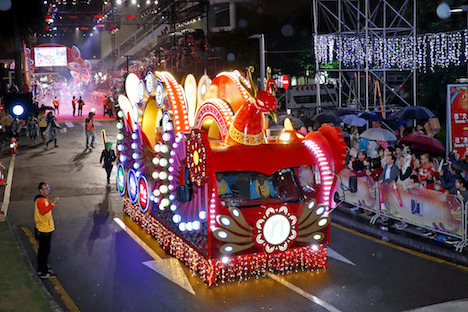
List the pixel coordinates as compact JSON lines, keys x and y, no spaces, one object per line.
{"x":402,"y":131}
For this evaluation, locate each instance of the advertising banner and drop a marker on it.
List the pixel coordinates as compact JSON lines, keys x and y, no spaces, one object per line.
{"x":411,"y":203}
{"x":457,"y":118}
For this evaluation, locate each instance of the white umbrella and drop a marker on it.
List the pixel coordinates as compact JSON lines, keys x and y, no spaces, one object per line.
{"x":378,"y":134}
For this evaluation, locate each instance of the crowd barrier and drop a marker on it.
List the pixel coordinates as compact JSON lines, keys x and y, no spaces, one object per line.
{"x":421,"y":207}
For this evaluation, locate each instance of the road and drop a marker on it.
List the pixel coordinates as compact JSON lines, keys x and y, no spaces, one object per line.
{"x":102,"y":268}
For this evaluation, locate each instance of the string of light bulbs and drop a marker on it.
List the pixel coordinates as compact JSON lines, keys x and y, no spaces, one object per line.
{"x":424,"y":52}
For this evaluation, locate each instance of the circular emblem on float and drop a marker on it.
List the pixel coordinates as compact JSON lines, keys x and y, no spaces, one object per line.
{"x":159,"y":95}
{"x":132,"y":186}
{"x":121,"y":181}
{"x":141,"y":91}
{"x":276,"y":230}
{"x":143,"y":194}
{"x":149,"y":83}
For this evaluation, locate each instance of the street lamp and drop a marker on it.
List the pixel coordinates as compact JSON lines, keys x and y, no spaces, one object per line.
{"x":128,"y":57}
{"x":261,"y":37}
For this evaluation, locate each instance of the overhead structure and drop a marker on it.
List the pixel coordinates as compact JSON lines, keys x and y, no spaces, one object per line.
{"x":371,"y":42}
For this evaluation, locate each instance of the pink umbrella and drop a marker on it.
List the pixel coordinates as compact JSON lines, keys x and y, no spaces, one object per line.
{"x":423,"y":143}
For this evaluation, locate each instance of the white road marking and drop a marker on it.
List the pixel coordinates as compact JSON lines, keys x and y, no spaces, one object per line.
{"x":450,"y":306}
{"x":333,"y":254}
{"x":6,"y":196}
{"x":170,"y":268}
{"x":69,"y":124}
{"x":303,"y":293}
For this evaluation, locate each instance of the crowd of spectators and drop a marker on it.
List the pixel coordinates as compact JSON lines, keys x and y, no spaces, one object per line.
{"x":387,"y":163}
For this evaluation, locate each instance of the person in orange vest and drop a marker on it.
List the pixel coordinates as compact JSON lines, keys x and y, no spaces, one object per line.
{"x":89,"y":128}
{"x":74,"y":105}
{"x":104,"y":105}
{"x":43,"y":206}
{"x":56,"y":105}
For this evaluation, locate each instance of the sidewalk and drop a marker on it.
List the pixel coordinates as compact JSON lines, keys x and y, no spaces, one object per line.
{"x":20,"y":288}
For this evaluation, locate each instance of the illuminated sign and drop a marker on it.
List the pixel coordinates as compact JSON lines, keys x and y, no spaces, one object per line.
{"x":143,"y":194}
{"x":149,"y":83}
{"x":276,"y":229}
{"x":121,"y":181}
{"x":132,"y":186}
{"x":159,"y":97}
{"x":50,"y":56}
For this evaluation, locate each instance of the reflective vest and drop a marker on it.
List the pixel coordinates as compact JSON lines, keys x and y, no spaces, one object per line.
{"x":43,"y":214}
{"x":89,"y":124}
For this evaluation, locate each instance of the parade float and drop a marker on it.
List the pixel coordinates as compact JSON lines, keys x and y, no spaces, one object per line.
{"x":192,"y":155}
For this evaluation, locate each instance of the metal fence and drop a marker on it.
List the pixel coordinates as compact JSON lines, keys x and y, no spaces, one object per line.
{"x":420,"y":207}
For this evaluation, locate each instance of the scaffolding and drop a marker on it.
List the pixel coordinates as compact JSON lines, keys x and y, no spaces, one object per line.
{"x":365,"y":39}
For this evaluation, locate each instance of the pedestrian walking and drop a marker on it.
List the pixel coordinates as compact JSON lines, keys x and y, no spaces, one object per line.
{"x":56,"y":105}
{"x":51,"y":131}
{"x":43,"y":206}
{"x":108,"y":156}
{"x":89,"y":129}
{"x":33,"y":127}
{"x":74,"y":105}
{"x":110,"y":108}
{"x":42,"y":120}
{"x":81,"y":103}
{"x":7,"y":121}
{"x":104,"y":105}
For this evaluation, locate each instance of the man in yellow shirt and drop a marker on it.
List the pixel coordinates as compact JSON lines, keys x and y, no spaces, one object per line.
{"x":223,"y":187}
{"x":262,"y":188}
{"x":44,"y":228}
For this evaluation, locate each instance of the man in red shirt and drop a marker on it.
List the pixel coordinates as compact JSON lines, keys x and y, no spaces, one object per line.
{"x":426,"y":173}
{"x":44,"y":228}
{"x":74,"y":105}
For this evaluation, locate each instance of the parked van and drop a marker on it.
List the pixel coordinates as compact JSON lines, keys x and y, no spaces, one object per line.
{"x":305,"y":97}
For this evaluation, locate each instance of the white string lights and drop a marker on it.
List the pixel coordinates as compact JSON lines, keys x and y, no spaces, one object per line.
{"x":430,"y":51}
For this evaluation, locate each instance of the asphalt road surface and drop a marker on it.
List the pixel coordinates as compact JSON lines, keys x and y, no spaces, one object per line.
{"x":102,"y":268}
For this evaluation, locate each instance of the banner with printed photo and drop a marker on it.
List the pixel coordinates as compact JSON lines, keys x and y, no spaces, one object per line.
{"x":416,"y":205}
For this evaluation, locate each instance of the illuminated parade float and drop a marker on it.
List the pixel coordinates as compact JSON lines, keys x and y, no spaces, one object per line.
{"x":200,"y":170}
